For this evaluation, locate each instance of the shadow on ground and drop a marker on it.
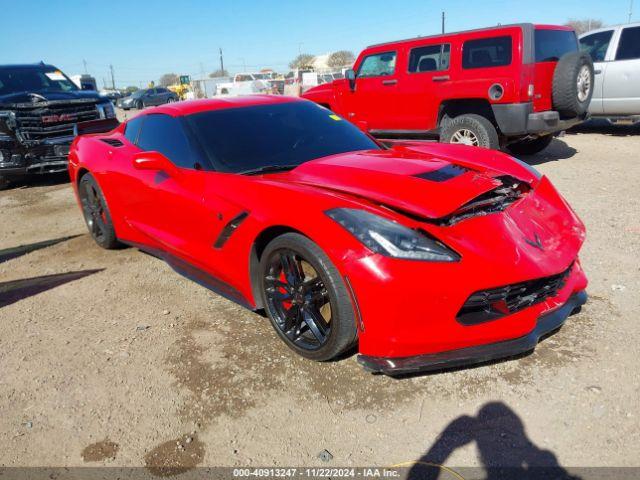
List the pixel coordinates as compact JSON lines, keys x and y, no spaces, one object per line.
{"x":15,"y":290}
{"x":15,"y":252}
{"x":557,"y":150}
{"x":605,"y":127}
{"x":503,"y":447}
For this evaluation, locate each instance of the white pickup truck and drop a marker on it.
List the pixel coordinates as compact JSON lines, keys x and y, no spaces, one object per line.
{"x":615,"y":52}
{"x":245,"y":84}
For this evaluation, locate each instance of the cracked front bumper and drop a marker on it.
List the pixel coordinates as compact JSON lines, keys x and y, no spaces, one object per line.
{"x":546,"y":324}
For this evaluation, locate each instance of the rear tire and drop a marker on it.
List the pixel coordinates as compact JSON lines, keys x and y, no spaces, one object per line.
{"x":96,"y":213}
{"x":293,"y":301}
{"x":530,"y":147}
{"x":4,"y":183}
{"x":470,"y":129}
{"x":573,"y":81}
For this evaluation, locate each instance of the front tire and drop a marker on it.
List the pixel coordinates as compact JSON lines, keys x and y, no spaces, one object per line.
{"x":306,"y":299}
{"x":470,"y":129}
{"x":530,"y":147}
{"x":139,"y":105}
{"x":96,"y":213}
{"x":4,"y":183}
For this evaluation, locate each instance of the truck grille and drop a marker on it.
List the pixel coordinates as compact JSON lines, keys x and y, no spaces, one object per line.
{"x":494,"y":303}
{"x":53,"y":121}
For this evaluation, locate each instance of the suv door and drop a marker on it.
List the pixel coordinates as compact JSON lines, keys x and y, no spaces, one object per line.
{"x":597,"y":46}
{"x":426,"y":84}
{"x":372,"y":105}
{"x":621,"y":90}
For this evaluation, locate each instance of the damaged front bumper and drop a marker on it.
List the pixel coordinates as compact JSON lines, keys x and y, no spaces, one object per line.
{"x":46,"y":156}
{"x":546,"y":324}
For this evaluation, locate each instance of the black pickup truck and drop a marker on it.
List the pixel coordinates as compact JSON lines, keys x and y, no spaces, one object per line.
{"x":39,"y":108}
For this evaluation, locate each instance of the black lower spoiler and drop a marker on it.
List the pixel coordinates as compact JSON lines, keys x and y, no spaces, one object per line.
{"x":103,"y":125}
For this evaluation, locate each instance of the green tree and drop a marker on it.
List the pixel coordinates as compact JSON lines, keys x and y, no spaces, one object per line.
{"x":341,"y":58}
{"x":131,"y":88}
{"x":304,"y":60}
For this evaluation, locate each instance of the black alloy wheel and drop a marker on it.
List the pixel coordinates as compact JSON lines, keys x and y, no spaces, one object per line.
{"x":305,"y":298}
{"x":298,"y":297}
{"x":96,"y":214}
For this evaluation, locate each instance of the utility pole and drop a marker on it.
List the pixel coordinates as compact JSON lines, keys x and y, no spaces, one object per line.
{"x":630,"y":10}
{"x":84,"y":62}
{"x":221,"y":62}
{"x":443,"y":22}
{"x":113,"y":80}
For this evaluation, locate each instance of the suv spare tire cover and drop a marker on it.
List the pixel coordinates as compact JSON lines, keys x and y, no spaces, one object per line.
{"x":573,"y":83}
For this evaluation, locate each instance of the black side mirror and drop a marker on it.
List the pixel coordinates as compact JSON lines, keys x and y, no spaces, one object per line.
{"x":351,"y":76}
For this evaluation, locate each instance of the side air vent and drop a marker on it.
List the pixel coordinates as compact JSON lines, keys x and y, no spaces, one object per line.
{"x":114,"y":142}
{"x":443,"y":174}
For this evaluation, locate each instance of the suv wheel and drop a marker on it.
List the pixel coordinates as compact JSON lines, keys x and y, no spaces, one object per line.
{"x":530,"y":147}
{"x":573,"y":82}
{"x":4,"y":183}
{"x":470,"y":129}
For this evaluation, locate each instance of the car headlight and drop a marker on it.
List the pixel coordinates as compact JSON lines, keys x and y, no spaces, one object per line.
{"x":390,"y":238}
{"x":105,"y":110}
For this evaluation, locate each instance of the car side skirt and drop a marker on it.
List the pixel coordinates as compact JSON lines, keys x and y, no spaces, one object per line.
{"x":195,"y":274}
{"x":546,"y":324}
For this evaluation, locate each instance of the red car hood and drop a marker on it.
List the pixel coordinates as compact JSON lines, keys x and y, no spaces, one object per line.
{"x":422,"y":183}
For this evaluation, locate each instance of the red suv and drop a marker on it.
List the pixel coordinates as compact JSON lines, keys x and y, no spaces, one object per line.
{"x":508,"y":86}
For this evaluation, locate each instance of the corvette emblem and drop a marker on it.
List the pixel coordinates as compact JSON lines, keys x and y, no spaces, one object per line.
{"x":537,"y":243}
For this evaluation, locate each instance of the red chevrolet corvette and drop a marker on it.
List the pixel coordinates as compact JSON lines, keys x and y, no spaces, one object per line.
{"x":425,"y":256}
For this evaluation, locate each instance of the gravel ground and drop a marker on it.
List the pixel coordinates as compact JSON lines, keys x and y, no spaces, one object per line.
{"x":125,"y":363}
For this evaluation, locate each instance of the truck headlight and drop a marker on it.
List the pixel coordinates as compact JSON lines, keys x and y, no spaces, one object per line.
{"x":391,"y":239}
{"x":106,"y":110}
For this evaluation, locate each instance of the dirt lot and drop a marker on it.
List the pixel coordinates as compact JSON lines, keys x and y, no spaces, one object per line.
{"x":123,"y":360}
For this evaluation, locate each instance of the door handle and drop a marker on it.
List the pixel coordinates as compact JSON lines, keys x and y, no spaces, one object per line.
{"x":389,"y":82}
{"x":597,"y":72}
{"x":441,"y":78}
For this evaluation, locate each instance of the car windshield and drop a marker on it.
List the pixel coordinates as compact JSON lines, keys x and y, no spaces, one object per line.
{"x":285,"y":134}
{"x":551,"y":45}
{"x":138,"y":93}
{"x":34,"y":79}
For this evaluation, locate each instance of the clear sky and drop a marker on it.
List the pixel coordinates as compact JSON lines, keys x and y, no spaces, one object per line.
{"x":143,"y":40}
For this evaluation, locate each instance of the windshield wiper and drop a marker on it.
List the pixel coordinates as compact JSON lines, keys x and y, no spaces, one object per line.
{"x":268,"y":169}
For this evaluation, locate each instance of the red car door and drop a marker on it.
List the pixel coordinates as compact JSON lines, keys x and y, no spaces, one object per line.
{"x":373,"y":103}
{"x":169,"y":207}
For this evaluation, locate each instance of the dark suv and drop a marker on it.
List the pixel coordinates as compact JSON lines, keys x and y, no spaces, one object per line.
{"x":509,"y":86}
{"x":39,"y":108}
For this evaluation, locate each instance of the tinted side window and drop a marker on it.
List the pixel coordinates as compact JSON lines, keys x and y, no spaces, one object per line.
{"x":166,"y":135}
{"x":133,"y":129}
{"x":380,"y":64}
{"x":596,"y":45}
{"x":629,"y":47}
{"x":429,"y":58}
{"x":551,"y":45}
{"x":487,"y":52}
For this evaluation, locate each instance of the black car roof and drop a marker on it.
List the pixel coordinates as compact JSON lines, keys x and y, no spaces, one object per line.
{"x":27,"y":65}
